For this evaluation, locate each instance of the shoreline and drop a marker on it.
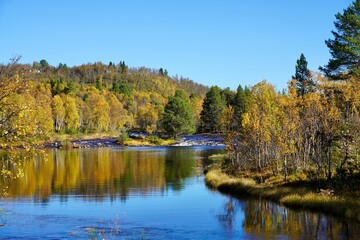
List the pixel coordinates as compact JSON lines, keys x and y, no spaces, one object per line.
{"x":110,"y":140}
{"x":289,"y":196}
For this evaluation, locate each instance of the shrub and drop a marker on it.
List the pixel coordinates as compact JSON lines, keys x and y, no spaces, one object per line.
{"x":65,"y":144}
{"x":154,"y":140}
{"x":124,"y":137}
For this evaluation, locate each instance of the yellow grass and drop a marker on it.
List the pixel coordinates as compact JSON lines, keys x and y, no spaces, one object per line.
{"x":294,"y":197}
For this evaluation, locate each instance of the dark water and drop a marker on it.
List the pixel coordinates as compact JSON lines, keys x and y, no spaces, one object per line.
{"x":141,"y":193}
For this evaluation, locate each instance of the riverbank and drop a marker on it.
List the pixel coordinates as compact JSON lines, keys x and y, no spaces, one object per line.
{"x":113,"y":139}
{"x":296,"y":196}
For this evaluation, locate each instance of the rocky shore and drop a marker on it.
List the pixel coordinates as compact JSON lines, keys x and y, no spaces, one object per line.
{"x":183,"y":141}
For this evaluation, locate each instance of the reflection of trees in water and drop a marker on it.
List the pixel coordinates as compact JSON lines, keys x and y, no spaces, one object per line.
{"x":99,"y":173}
{"x":227,"y":219}
{"x":11,"y":166}
{"x":179,"y":166}
{"x":267,"y":220}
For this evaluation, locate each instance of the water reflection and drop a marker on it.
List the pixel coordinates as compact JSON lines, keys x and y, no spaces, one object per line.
{"x":102,"y":172}
{"x":85,"y":189}
{"x":266,"y":220}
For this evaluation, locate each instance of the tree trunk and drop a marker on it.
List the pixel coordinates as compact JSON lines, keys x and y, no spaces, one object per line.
{"x":285,"y":168}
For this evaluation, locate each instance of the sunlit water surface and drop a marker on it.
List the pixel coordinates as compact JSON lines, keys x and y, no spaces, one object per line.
{"x":143,"y":193}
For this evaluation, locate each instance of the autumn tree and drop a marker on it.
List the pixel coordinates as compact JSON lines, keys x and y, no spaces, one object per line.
{"x":147,"y":118}
{"x":71,"y":118}
{"x":58,"y":112}
{"x":98,"y":115}
{"x":345,"y":45}
{"x":196,"y":101}
{"x":259,"y":122}
{"x":117,"y":113}
{"x":14,"y":82}
{"x":44,"y":123}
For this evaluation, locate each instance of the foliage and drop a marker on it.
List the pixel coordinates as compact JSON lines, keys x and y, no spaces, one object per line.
{"x":178,"y":116}
{"x":38,"y":100}
{"x":239,"y":106}
{"x":213,"y":106}
{"x":65,"y":144}
{"x":315,"y":133}
{"x":302,"y":78}
{"x":155,"y":140}
{"x":344,"y":47}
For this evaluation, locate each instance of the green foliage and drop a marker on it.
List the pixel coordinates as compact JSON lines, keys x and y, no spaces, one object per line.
{"x":155,"y":140}
{"x":65,"y":144}
{"x":178,"y":116}
{"x":228,"y":96}
{"x":345,"y":46}
{"x":213,"y":107}
{"x":124,"y":137}
{"x":121,"y":88}
{"x":239,"y":105}
{"x":302,"y":78}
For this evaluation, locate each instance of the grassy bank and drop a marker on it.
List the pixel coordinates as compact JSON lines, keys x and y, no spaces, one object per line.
{"x":124,"y":140}
{"x":293,"y":196}
{"x":83,"y":136}
{"x":146,"y":142}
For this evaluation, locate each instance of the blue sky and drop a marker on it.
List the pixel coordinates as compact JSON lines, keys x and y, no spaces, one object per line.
{"x":224,"y":43}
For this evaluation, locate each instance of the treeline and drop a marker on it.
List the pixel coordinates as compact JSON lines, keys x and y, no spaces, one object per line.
{"x":313,"y":130}
{"x":37,"y":100}
{"x":309,"y":135}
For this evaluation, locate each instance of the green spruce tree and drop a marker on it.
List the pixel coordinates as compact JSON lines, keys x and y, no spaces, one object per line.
{"x":239,"y":105}
{"x":213,"y":107}
{"x":303,"y":80}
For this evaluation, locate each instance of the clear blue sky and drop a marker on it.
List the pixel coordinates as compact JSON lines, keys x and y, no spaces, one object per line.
{"x":224,"y":43}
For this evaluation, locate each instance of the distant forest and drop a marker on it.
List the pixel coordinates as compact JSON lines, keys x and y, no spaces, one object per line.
{"x":37,"y":100}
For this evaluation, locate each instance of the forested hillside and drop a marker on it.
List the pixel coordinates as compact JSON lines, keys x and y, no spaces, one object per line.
{"x":37,"y":100}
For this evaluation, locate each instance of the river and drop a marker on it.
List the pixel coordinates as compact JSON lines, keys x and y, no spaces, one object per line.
{"x":142,"y":193}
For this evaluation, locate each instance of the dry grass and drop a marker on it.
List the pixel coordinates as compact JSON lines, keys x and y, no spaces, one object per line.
{"x":291,"y":196}
{"x":84,"y":136}
{"x":144,"y":142}
{"x":217,"y":157}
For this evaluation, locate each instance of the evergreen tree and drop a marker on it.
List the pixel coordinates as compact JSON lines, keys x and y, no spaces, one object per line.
{"x":228,"y":96}
{"x":239,"y":105}
{"x":178,"y":117}
{"x":213,"y":107}
{"x":345,"y":47}
{"x":303,"y":81}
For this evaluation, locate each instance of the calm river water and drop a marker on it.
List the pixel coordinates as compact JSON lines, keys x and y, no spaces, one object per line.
{"x":142,"y":193}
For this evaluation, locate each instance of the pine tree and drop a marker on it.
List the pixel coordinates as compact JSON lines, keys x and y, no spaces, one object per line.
{"x":345,"y":47}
